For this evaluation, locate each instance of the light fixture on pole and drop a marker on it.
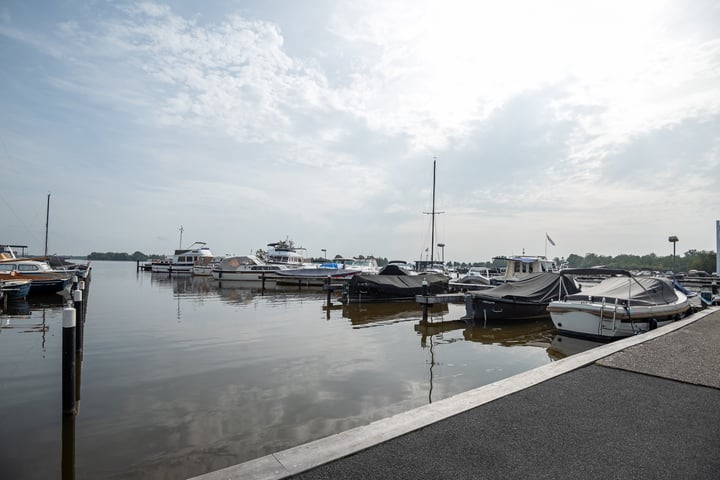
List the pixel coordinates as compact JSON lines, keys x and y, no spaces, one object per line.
{"x":442,"y":252}
{"x":673,"y":239}
{"x":324,"y":250}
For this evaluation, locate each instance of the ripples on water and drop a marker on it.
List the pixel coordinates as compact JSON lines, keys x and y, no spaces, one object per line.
{"x":182,"y":375}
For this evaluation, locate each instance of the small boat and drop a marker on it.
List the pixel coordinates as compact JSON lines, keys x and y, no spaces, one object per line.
{"x":15,"y":289}
{"x":44,"y":278}
{"x":204,"y":265}
{"x":477,"y":278}
{"x":393,"y":284}
{"x":311,"y":276}
{"x":244,"y":267}
{"x":619,"y":306}
{"x":525,"y":299}
{"x":183,"y":259}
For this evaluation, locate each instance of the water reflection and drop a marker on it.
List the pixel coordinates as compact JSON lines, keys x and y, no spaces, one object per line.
{"x":510,"y":334}
{"x":384,"y":313}
{"x":563,"y":345}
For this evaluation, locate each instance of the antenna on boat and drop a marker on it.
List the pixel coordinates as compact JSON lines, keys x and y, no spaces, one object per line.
{"x":181,"y":232}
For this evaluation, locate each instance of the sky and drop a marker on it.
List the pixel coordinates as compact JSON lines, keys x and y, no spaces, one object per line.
{"x":596,"y":124}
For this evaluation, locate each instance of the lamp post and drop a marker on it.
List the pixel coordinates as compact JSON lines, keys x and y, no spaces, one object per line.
{"x":442,"y":252}
{"x":673,"y":239}
{"x":324,"y":250}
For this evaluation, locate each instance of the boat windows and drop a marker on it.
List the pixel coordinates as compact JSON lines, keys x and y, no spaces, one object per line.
{"x":27,"y":268}
{"x":6,"y":267}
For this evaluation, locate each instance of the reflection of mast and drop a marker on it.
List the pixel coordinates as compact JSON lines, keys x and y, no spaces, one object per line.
{"x":432,"y":364}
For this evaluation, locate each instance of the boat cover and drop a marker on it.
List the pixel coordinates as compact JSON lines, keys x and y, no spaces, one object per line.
{"x":638,"y":290}
{"x":396,"y":286}
{"x":537,"y":288}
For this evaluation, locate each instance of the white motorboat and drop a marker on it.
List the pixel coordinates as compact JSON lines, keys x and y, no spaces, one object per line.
{"x":245,"y":268}
{"x":204,"y":265}
{"x":183,"y":259}
{"x":619,"y":306}
{"x":285,"y":253}
{"x":522,"y":266}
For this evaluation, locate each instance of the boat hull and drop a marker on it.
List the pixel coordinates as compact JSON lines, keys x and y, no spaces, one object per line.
{"x":594,"y":320}
{"x":15,"y":289}
{"x":484,"y":309}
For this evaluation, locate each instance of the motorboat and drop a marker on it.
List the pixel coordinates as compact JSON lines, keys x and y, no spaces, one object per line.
{"x":15,"y":289}
{"x":204,"y":265}
{"x":525,"y":299}
{"x":619,"y":306}
{"x":245,"y":267}
{"x":183,"y":259}
{"x":393,"y":284}
{"x":44,"y":279}
{"x":312,"y":276}
{"x":522,"y":266}
{"x":477,"y":278}
{"x":285,"y":253}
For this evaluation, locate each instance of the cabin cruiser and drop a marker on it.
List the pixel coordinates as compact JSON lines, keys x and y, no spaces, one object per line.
{"x":619,"y":306}
{"x":183,"y":259}
{"x":204,"y":265}
{"x":245,"y":267}
{"x":522,"y":266}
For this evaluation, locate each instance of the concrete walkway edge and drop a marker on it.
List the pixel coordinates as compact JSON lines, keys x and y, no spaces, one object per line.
{"x":304,"y":457}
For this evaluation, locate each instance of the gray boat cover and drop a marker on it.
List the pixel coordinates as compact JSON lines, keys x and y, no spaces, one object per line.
{"x":397,"y":286}
{"x":537,"y":288}
{"x":638,"y":290}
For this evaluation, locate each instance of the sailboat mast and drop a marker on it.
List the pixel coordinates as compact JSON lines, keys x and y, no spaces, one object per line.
{"x":432,"y":229}
{"x":47,"y":223}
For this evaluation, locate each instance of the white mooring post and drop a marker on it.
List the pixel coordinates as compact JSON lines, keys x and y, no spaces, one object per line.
{"x":68,"y":361}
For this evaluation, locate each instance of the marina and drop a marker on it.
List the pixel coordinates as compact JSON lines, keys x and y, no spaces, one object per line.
{"x":182,"y":375}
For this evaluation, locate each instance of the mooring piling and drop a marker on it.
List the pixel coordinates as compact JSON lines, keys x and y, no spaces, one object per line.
{"x":68,"y":361}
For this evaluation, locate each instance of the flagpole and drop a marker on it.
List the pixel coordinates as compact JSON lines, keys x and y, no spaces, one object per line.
{"x":546,"y":240}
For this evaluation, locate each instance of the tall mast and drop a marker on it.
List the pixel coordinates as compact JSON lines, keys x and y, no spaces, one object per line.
{"x":47,"y":223}
{"x":433,"y":213}
{"x":181,"y":230}
{"x":432,"y":229}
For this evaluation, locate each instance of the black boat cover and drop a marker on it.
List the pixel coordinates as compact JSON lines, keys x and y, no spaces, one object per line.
{"x":638,"y":290}
{"x":537,"y":288}
{"x":395,"y":287}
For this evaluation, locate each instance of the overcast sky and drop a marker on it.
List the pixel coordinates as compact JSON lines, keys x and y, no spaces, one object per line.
{"x":248,"y":122}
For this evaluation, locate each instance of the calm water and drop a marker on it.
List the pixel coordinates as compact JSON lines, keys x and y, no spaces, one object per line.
{"x":181,"y":375}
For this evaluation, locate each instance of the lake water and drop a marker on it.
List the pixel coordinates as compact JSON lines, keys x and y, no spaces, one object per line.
{"x":181,"y":375}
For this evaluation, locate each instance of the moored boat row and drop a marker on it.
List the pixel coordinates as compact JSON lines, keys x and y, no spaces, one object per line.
{"x":38,"y":272}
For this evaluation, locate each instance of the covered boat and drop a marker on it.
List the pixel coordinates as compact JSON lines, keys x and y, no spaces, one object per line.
{"x":621,"y":305}
{"x":525,"y":299}
{"x":393,"y":284}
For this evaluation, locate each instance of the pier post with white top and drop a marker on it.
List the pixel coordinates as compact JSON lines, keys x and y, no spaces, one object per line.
{"x":68,"y":362}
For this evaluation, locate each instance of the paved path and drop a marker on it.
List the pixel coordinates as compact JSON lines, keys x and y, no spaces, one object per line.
{"x":642,"y":407}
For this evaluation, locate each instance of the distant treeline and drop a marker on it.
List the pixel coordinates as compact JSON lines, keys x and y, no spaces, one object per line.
{"x":122,"y":256}
{"x":700,"y":260}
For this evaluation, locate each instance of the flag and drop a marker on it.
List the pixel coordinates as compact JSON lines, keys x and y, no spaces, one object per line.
{"x":550,"y":240}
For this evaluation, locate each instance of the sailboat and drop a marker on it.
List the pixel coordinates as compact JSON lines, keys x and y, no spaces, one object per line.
{"x":394,"y":284}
